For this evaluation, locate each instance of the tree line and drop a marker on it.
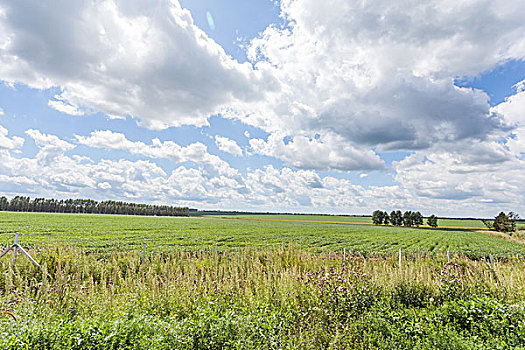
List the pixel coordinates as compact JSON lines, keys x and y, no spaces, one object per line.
{"x":87,"y":206}
{"x":408,"y":218}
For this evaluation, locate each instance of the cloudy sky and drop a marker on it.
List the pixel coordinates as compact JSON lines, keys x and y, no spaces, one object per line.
{"x":328,"y":106}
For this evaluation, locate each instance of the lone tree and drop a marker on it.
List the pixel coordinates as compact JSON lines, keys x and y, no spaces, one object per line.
{"x":503,"y":222}
{"x":432,"y":221}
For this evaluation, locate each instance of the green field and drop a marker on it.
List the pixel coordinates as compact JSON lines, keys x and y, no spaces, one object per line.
{"x":356,"y":219}
{"x":108,"y":232}
{"x":95,"y":291}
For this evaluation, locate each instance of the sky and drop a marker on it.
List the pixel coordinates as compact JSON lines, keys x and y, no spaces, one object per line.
{"x":306,"y":106}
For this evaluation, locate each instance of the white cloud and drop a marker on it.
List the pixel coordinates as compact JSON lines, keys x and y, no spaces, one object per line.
{"x":362,"y":176}
{"x":513,"y":109}
{"x":51,"y":147}
{"x":104,"y":185}
{"x":481,"y":177}
{"x":228,"y":145}
{"x":322,"y":153}
{"x":124,"y":58}
{"x":381,"y":74}
{"x":371,"y":75}
{"x":195,"y":152}
{"x":64,"y":107}
{"x":13,"y":143}
{"x":1,"y":111}
{"x":434,"y":182}
{"x":79,"y":176}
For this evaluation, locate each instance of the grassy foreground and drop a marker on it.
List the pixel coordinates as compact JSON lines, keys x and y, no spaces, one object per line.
{"x":259,"y":299}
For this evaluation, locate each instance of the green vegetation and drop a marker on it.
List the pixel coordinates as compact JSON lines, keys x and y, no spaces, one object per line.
{"x":432,"y":221}
{"x":106,"y":232}
{"x":259,"y":299}
{"x":443,"y":222}
{"x":408,"y":219}
{"x":256,"y":292}
{"x":503,"y":222}
{"x":89,"y":206}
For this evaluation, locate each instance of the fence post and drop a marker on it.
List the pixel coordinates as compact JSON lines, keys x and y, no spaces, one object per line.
{"x":344,"y":258}
{"x":491,"y":260}
{"x":14,"y":249}
{"x":400,"y":257}
{"x":215,"y":252}
{"x":448,"y":256}
{"x":143,"y":253}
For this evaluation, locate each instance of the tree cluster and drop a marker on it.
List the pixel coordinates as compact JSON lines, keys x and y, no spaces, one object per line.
{"x":503,"y":222}
{"x":88,"y":206}
{"x":407,"y":219}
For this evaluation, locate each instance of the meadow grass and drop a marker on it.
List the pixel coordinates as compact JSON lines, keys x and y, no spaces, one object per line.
{"x":271,"y":285}
{"x":259,"y":299}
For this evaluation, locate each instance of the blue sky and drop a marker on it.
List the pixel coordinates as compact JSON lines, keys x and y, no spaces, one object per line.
{"x":300,"y":106}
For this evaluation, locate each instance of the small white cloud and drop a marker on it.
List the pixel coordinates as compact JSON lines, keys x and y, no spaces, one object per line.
{"x":1,"y":111}
{"x":51,"y":147}
{"x":229,"y":146}
{"x":104,"y":185}
{"x":19,"y":180}
{"x":12,"y":143}
{"x":247,"y":133}
{"x":363,"y":176}
{"x":520,"y":87}
{"x":63,"y":107}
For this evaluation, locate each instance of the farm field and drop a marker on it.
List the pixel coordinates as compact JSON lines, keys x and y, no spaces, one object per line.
{"x":110,"y":232}
{"x":96,"y":292}
{"x":445,"y":223}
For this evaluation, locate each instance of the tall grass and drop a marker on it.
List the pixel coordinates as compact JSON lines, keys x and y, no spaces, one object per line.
{"x":273,"y":298}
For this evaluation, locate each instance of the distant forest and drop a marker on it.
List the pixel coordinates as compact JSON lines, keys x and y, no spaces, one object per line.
{"x":88,"y":206}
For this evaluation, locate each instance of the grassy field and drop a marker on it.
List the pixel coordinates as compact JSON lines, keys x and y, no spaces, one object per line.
{"x":259,"y":299}
{"x":107,"y":232}
{"x":256,"y":293}
{"x":446,"y":223}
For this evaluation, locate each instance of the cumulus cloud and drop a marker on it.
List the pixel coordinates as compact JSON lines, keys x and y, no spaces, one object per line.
{"x":480,"y":177}
{"x":381,"y":74}
{"x":195,"y":152}
{"x":64,"y":107}
{"x":124,"y":58}
{"x":373,"y":75}
{"x":51,"y":147}
{"x":6,"y":142}
{"x":513,"y":109}
{"x":228,"y":145}
{"x":433,"y":182}
{"x":66,"y":175}
{"x":326,"y":153}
